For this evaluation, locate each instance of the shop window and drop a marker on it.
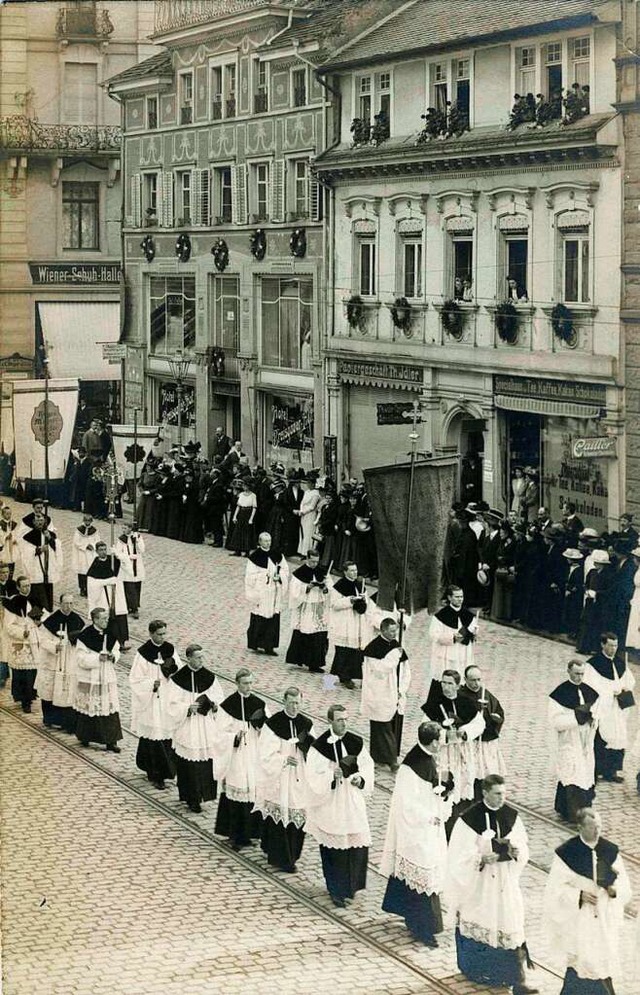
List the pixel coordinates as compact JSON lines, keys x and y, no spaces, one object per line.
{"x":260,"y":87}
{"x":286,"y":323}
{"x":223,"y":195}
{"x":185,"y":97}
{"x":226,"y":313}
{"x":183,"y":196}
{"x":461,"y":275}
{"x":411,"y":249}
{"x":172,"y":314}
{"x":288,"y":429}
{"x":152,"y":113}
{"x":299,"y":87}
{"x":366,"y":259}
{"x":80,"y":215}
{"x":576,"y":268}
{"x":80,"y":93}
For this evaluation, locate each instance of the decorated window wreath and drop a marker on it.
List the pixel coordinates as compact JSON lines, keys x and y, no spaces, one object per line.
{"x":452,"y":319}
{"x":220,"y":253}
{"x":217,"y":361}
{"x":563,"y":325}
{"x":183,"y":248}
{"x":507,"y":322}
{"x":401,"y":314}
{"x":258,"y":242}
{"x":148,"y":246}
{"x":298,"y":243}
{"x":356,"y":313}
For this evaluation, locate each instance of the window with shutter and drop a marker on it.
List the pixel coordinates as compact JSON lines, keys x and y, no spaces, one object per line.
{"x":200,"y":187}
{"x":135,"y":203}
{"x":315,"y":198}
{"x":239,"y":180}
{"x":277,"y":191}
{"x":167,"y":200}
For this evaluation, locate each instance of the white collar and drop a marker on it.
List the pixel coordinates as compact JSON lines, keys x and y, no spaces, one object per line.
{"x":591,"y":846}
{"x":335,"y":739}
{"x":425,"y":750}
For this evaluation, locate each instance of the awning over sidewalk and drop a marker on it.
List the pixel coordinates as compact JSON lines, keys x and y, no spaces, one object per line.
{"x":74,"y":332}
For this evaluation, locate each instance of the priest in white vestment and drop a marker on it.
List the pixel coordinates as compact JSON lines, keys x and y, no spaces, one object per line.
{"x":573,"y":715}
{"x":41,"y":559}
{"x":83,"y":550}
{"x":309,"y":601}
{"x":586,"y":892}
{"x":57,"y":665}
{"x":415,"y":849}
{"x":350,"y":626}
{"x":130,"y":549}
{"x":612,"y":680}
{"x":281,"y":793}
{"x":452,"y":635}
{"x":96,"y":690}
{"x":105,"y":590}
{"x":462,"y":725}
{"x":193,"y":697}
{"x":489,"y":758}
{"x":240,"y":721}
{"x":386,"y":676}
{"x":488,"y":852}
{"x":340,"y":777}
{"x":265,"y":584}
{"x":154,"y":663}
{"x":22,"y":637}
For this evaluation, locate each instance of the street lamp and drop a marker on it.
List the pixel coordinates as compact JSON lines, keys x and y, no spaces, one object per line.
{"x":179,"y":365}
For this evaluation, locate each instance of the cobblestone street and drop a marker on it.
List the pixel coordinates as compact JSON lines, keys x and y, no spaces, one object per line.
{"x":105,"y":888}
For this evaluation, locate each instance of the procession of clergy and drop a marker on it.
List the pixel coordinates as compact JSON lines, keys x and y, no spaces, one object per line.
{"x":450,"y":831}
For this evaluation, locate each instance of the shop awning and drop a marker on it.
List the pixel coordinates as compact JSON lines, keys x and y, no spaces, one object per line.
{"x":74,"y":333}
{"x":539,"y":406}
{"x":364,"y":381}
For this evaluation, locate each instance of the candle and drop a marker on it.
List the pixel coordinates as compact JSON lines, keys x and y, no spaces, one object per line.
{"x":444,"y":712}
{"x":488,"y":821}
{"x":580,"y":697}
{"x":483,"y":700}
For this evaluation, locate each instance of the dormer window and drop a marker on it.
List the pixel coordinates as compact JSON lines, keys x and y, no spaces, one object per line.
{"x":552,"y":76}
{"x":373,"y":100}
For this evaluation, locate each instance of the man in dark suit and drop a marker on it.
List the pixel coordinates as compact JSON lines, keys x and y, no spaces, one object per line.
{"x":221,"y":444}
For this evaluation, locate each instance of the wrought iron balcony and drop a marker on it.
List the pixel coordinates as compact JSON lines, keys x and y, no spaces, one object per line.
{"x":24,"y":134}
{"x":83,"y":23}
{"x":171,"y":15}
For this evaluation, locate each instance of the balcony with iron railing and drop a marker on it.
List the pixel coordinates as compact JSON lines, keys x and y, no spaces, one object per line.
{"x":24,"y":134}
{"x":172,"y":15}
{"x":83,"y":23}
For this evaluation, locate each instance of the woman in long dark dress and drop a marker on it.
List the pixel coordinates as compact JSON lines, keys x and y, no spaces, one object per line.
{"x":502,"y":602}
{"x":530,"y":579}
{"x":191,"y":510}
{"x":149,"y":479}
{"x":242,"y":534}
{"x":595,"y":615}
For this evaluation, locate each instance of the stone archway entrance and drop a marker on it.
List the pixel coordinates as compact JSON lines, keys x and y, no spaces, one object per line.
{"x":466,"y":434}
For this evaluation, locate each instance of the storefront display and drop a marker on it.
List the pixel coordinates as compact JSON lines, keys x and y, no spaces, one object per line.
{"x":289,"y":429}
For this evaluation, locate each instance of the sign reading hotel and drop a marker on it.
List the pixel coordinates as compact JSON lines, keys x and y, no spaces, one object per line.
{"x":75,"y":274}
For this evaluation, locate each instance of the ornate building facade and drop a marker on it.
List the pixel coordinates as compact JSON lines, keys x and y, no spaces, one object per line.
{"x":224,"y":243}
{"x":474,"y":233}
{"x":60,"y":140}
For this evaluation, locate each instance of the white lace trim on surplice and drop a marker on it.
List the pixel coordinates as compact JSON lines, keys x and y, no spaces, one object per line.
{"x":419,"y":879}
{"x":482,"y":934}
{"x":275,"y":811}
{"x":346,"y":841}
{"x":236,"y":794}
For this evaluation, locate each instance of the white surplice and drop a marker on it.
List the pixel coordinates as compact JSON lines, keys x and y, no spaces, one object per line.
{"x":574,"y":753}
{"x":96,"y":687}
{"x":84,"y":549}
{"x":150,"y":714}
{"x":194,"y":737}
{"x":445,"y":653}
{"x":263,"y":592}
{"x":613,"y":721}
{"x":337,"y":817}
{"x":281,"y":791}
{"x":346,"y":626}
{"x":309,"y":610}
{"x":384,"y":688}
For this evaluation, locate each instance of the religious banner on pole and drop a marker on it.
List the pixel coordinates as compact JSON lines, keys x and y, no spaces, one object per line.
{"x":127,"y":456}
{"x":43,"y":423}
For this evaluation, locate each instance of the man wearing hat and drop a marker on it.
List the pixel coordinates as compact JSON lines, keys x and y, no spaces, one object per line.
{"x":488,"y":546}
{"x":573,"y":592}
{"x":588,"y":541}
{"x":621,"y":590}
{"x":555,"y":576}
{"x":627,"y":531}
{"x":465,"y":557}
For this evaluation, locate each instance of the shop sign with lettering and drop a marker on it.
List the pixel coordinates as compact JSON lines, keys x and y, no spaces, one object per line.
{"x":595,"y":448}
{"x":394,"y":414}
{"x":70,"y":274}
{"x":552,"y":390}
{"x":373,"y":371}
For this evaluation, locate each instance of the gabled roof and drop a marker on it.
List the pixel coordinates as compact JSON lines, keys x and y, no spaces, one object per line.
{"x":333,"y":23}
{"x":434,"y":24}
{"x":157,"y":65}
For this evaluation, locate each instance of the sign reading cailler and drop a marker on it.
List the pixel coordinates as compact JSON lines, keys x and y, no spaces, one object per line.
{"x":594,"y":448}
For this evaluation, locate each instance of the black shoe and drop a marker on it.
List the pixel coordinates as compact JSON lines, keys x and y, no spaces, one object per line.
{"x":348,"y":684}
{"x":316,"y":670}
{"x":26,"y":707}
{"x":112,"y":748}
{"x":270,"y":653}
{"x":84,"y":742}
{"x":160,"y":785}
{"x":525,"y":990}
{"x":194,"y":806}
{"x":338,"y":902}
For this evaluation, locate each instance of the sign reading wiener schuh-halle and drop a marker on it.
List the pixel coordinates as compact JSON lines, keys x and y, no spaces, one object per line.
{"x":46,"y":423}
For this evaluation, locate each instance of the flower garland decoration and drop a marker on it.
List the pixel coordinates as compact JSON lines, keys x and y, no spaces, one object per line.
{"x":563,"y":325}
{"x":148,"y":246}
{"x":183,"y":248}
{"x":298,"y":243}
{"x":217,"y":361}
{"x":507,"y":322}
{"x":356,"y":314}
{"x":453,"y":319}
{"x":401,"y":314}
{"x":258,"y":243}
{"x":220,"y":253}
